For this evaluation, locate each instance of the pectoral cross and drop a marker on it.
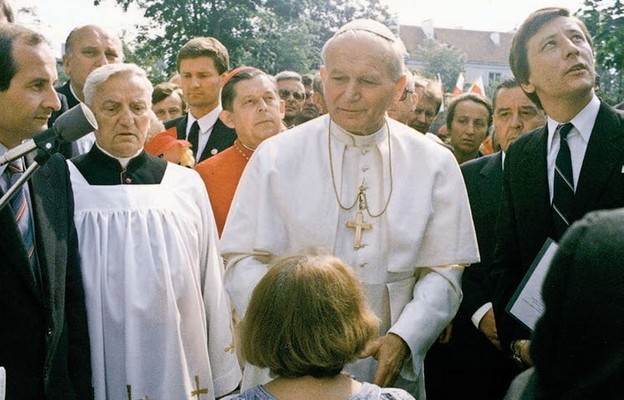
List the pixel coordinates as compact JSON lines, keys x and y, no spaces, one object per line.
{"x":359,"y":224}
{"x":198,"y":392}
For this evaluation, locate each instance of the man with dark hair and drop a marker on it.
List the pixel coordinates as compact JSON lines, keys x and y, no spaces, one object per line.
{"x":555,"y":174}
{"x":44,"y":345}
{"x":468,"y":119}
{"x":253,"y":108}
{"x":168,"y":101}
{"x":203,"y":63}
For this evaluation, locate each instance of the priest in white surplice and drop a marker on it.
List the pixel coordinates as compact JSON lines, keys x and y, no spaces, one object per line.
{"x":368,"y":189}
{"x":159,"y":319}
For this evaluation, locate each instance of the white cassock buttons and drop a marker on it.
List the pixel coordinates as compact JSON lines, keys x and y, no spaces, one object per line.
{"x":214,"y":151}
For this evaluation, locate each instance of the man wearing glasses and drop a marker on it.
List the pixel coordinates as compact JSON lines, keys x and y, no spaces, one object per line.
{"x":291,"y":90}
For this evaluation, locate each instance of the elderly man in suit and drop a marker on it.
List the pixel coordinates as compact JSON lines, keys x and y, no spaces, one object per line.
{"x":86,"y":48}
{"x":555,"y":174}
{"x":44,"y":345}
{"x":203,"y":63}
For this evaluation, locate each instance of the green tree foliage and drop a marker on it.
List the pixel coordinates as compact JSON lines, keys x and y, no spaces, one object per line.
{"x":440,"y":58}
{"x":605,"y":22}
{"x":274,"y":35}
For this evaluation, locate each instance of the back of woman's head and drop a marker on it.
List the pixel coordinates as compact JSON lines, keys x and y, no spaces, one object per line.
{"x":307,"y":316}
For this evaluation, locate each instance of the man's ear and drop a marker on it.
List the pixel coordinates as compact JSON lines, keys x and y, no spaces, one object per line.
{"x":66,"y":64}
{"x":398,"y":88}
{"x":226,"y":117}
{"x":282,"y":108}
{"x":528,"y":87}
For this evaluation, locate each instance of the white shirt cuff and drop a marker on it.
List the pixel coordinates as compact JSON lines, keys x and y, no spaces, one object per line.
{"x":478,"y":315}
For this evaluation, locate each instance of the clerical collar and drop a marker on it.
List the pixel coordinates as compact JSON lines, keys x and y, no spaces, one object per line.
{"x":205,"y":122}
{"x":356,"y":140}
{"x":100,"y":168}
{"x":122,"y":161}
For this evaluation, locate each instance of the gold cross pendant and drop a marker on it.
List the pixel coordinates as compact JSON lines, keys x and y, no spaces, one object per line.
{"x":359,"y":224}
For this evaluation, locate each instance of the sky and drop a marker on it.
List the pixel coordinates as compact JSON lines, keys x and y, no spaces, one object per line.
{"x":486,"y":15}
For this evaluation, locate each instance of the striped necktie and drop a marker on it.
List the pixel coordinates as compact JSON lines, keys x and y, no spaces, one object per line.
{"x":563,"y":188}
{"x":21,"y":211}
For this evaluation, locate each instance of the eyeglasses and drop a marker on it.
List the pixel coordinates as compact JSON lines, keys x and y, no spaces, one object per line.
{"x":404,"y":95}
{"x":299,"y":96}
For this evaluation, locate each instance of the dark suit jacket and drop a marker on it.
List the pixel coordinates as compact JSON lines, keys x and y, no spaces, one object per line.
{"x":221,"y":136}
{"x":68,"y":150}
{"x":44,"y":344}
{"x":524,"y":221}
{"x":484,"y":182}
{"x":469,"y":366}
{"x":65,"y":90}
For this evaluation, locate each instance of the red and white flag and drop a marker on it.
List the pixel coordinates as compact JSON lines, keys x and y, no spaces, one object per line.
{"x":459,"y":86}
{"x":477,"y":86}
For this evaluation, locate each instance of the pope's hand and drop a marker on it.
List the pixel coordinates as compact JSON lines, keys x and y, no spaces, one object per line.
{"x":390,"y":352}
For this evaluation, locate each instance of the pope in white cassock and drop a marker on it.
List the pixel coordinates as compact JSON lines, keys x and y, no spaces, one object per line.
{"x":370,"y":190}
{"x":159,"y":319}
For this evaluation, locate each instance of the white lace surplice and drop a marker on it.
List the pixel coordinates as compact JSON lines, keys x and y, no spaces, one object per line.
{"x":148,"y":253}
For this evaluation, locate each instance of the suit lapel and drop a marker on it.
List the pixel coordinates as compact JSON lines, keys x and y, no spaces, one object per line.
{"x":603,"y":156}
{"x":491,"y":176}
{"x":220,"y":139}
{"x":532,"y":175}
{"x":12,"y":250}
{"x":181,"y":127}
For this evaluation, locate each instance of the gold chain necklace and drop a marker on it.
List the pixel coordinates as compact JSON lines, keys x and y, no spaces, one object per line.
{"x":361,"y":194}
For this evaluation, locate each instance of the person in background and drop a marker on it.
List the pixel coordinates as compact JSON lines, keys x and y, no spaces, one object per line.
{"x":468,"y":119}
{"x":252,"y":106}
{"x":168,"y":101}
{"x":86,"y":48}
{"x":309,"y":110}
{"x":317,"y":95}
{"x":307,"y":319}
{"x":292,"y":91}
{"x":203,"y":63}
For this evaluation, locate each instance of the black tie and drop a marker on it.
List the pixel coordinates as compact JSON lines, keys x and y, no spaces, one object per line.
{"x":563,"y":188}
{"x":193,"y":137}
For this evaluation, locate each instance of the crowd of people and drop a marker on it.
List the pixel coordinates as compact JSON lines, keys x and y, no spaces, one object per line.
{"x":236,"y":234}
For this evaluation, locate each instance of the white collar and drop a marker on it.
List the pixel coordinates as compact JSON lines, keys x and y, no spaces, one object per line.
{"x":583,"y":121}
{"x":357,"y":140}
{"x":122,"y":161}
{"x":207,"y":121}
